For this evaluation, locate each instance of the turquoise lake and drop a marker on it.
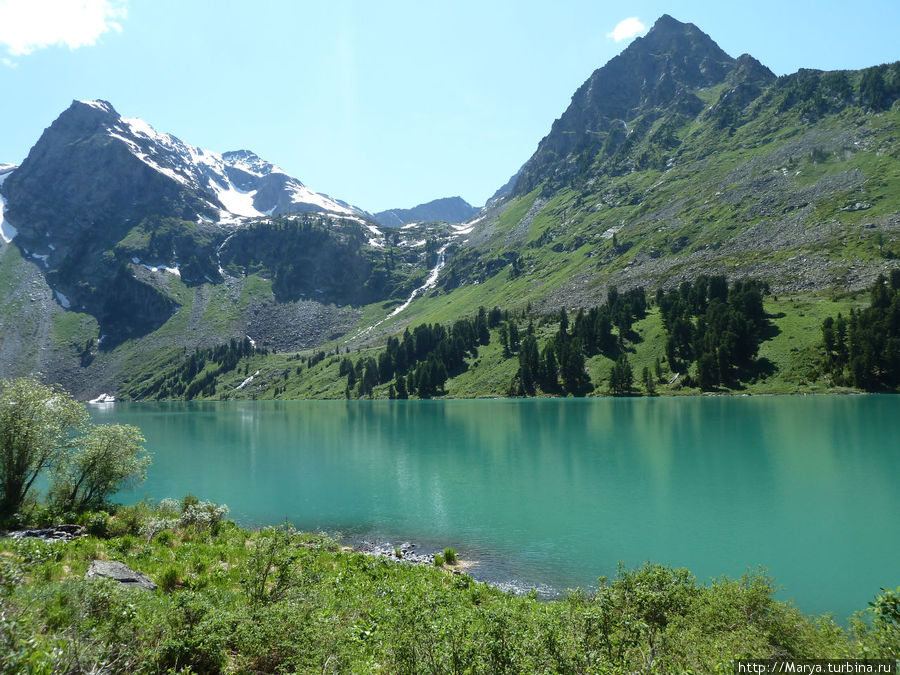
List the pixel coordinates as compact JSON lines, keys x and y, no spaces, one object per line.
{"x":552,"y":494}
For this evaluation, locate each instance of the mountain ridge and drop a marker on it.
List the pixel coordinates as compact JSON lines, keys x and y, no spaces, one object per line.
{"x":672,"y":160}
{"x":446,"y":209}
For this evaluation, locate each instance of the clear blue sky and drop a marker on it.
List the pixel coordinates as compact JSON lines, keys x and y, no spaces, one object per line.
{"x":383,"y":104}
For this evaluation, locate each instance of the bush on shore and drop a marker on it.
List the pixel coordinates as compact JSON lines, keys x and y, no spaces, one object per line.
{"x":276,"y":600}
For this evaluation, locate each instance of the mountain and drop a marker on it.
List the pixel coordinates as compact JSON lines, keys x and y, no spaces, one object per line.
{"x":90,"y":139}
{"x":125,"y":249}
{"x":657,"y":75}
{"x":99,"y":191}
{"x":120,"y":241}
{"x":675,"y":159}
{"x":447,"y":210}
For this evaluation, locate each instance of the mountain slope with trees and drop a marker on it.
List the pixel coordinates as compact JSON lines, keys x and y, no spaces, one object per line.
{"x":674,"y":162}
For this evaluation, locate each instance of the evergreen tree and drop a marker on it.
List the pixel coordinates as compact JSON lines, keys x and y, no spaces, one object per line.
{"x":549,"y":368}
{"x":513,"y":337}
{"x":571,"y":365}
{"x":621,"y":377}
{"x":649,"y":381}
{"x":707,"y":371}
{"x":529,"y":365}
{"x":401,"y":388}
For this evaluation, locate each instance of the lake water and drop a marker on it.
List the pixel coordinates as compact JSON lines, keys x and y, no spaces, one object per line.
{"x":554,"y":493}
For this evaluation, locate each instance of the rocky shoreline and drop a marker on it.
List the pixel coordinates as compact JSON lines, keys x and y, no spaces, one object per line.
{"x":409,"y":553}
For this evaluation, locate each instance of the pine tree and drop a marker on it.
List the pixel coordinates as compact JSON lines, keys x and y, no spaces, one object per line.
{"x":621,"y":377}
{"x":401,"y":388}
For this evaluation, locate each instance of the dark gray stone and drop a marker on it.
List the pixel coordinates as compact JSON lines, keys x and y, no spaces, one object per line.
{"x":118,"y":571}
{"x":55,"y":533}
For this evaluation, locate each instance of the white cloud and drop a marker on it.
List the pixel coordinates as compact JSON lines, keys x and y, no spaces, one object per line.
{"x":627,"y":28}
{"x":27,"y":25}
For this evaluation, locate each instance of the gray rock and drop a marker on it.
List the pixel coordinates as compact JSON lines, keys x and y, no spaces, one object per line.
{"x":118,"y":571}
{"x":55,"y":533}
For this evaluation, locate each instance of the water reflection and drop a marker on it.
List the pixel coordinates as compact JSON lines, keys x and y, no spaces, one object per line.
{"x":559,"y":491}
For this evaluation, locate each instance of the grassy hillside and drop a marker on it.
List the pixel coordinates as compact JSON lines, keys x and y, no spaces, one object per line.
{"x":802,"y":206}
{"x":793,"y":181}
{"x":790,"y":359}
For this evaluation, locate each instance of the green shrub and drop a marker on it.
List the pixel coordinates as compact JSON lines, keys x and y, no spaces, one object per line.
{"x":165,"y":538}
{"x":96,"y":523}
{"x":128,"y":520}
{"x":168,"y":580}
{"x":194,"y":641}
{"x":450,"y":556}
{"x":203,"y":516}
{"x":438,"y":560}
{"x":270,"y":572}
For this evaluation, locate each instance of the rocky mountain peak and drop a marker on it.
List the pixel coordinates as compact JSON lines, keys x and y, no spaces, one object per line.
{"x":656,"y":75}
{"x":250,"y":163}
{"x":748,"y":69}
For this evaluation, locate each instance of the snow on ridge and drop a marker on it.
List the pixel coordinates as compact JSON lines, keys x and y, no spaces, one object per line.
{"x":136,"y":151}
{"x":6,"y":168}
{"x":174,"y":268}
{"x":342,"y":216}
{"x":228,"y":218}
{"x":7,"y":231}
{"x":251,"y":163}
{"x":63,"y":300}
{"x":300,"y":194}
{"x":99,"y":105}
{"x":207,"y":171}
{"x":140,"y":128}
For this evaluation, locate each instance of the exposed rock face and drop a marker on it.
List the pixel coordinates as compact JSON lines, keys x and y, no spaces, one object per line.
{"x":448,"y":210}
{"x":656,"y":75}
{"x":118,"y":571}
{"x":82,"y":176}
{"x":100,"y":197}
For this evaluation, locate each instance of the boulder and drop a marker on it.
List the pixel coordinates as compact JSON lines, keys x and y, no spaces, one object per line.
{"x":55,"y":533}
{"x":118,"y":571}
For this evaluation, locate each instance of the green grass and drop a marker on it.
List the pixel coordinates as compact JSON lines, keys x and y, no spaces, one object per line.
{"x":789,"y":358}
{"x":231,"y":600}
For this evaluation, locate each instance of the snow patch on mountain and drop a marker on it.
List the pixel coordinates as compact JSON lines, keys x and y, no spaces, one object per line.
{"x":236,"y":201}
{"x":249,"y":162}
{"x":99,"y":105}
{"x":7,"y":231}
{"x":238,"y":183}
{"x":300,"y":194}
{"x":63,"y":300}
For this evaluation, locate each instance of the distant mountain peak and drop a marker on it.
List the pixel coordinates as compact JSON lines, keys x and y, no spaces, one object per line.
{"x":251,"y":163}
{"x":448,"y":210}
{"x":668,"y":23}
{"x":671,"y":35}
